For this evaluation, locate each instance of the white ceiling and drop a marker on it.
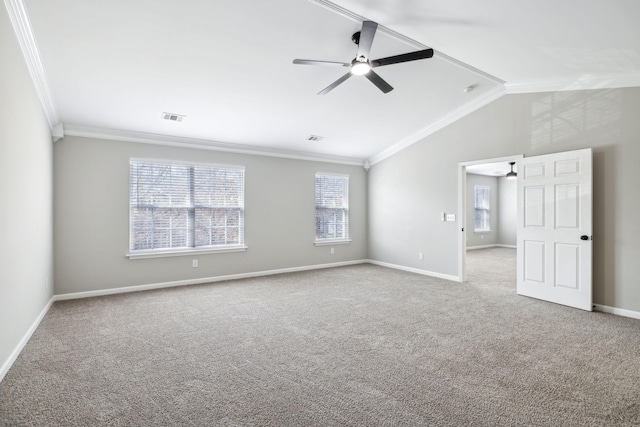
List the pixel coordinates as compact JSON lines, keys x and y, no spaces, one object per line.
{"x":112,"y":67}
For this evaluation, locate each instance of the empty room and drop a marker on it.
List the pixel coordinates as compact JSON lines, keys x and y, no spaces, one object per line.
{"x":319,"y":213}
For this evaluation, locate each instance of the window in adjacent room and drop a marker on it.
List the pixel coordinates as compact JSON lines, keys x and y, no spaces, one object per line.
{"x":175,"y":207}
{"x":332,"y":207}
{"x":482,"y":208}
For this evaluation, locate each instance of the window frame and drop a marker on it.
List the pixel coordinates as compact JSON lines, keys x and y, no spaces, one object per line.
{"x":485,"y":212}
{"x":188,"y":250}
{"x":345,"y":207}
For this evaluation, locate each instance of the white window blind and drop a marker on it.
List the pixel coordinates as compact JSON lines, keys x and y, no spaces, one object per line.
{"x":332,"y":207}
{"x":182,"y":206}
{"x":482,"y":208}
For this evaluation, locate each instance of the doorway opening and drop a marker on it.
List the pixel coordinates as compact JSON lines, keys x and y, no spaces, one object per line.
{"x":487,"y":206}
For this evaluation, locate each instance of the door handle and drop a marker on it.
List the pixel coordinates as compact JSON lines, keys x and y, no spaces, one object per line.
{"x":584,"y":237}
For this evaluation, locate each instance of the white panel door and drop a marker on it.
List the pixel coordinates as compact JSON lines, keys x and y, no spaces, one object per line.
{"x":554,"y":228}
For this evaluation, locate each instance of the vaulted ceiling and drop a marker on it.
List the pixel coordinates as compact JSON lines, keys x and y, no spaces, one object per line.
{"x":111,"y":68}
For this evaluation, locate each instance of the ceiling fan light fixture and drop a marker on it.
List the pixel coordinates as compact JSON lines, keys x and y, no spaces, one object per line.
{"x":512,"y":174}
{"x":360,"y":68}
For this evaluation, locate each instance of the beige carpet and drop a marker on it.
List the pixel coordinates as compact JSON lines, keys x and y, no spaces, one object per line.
{"x":360,"y":345}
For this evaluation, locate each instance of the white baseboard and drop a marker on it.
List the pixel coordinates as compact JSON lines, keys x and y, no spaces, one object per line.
{"x":25,"y":339}
{"x":618,"y":311}
{"x":127,"y":289}
{"x":415,"y":270}
{"x":472,"y":248}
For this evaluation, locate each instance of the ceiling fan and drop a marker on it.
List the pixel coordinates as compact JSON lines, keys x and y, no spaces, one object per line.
{"x":361,"y":65}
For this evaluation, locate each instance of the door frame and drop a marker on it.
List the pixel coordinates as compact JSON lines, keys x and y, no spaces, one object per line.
{"x":462,"y":207}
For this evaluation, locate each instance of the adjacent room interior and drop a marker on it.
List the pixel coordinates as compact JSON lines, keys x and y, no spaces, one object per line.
{"x":490,"y":216}
{"x":284,"y":181}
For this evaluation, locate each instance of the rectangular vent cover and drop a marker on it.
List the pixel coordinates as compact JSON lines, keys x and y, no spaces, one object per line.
{"x":173,"y":117}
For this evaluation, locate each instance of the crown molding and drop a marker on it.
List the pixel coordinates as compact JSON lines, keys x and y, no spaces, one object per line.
{"x":444,"y":121}
{"x":469,"y":68}
{"x":201,"y":144}
{"x":582,"y":83}
{"x":24,"y":33}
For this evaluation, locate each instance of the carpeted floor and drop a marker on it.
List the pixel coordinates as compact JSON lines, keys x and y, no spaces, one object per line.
{"x":351,"y":346}
{"x":494,"y":267}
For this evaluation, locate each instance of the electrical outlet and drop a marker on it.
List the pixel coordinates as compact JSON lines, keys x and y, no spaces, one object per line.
{"x":332,"y":251}
{"x":420,"y":255}
{"x":194,"y":263}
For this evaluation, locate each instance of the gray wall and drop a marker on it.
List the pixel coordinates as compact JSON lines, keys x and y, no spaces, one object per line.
{"x":507,"y":211}
{"x":26,"y":260}
{"x":92,"y":216}
{"x":482,"y":238}
{"x":410,"y":189}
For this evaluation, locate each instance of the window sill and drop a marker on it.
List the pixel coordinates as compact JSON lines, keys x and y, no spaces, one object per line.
{"x":184,"y":252}
{"x":332,"y":242}
{"x":482,"y":231}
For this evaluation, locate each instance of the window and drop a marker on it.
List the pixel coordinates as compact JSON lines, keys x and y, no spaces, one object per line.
{"x":332,"y":207}
{"x":482,"y":208}
{"x":185,"y":206}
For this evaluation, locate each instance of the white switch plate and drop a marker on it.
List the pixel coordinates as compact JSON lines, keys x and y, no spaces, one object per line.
{"x":451,"y":217}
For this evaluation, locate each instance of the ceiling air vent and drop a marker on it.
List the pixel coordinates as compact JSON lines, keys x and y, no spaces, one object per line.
{"x":315,"y":138}
{"x":173,"y":117}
